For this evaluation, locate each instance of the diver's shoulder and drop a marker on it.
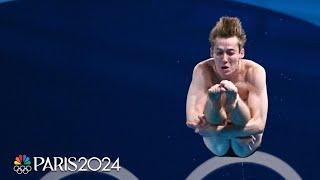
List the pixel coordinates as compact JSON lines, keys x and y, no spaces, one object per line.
{"x":253,"y":66}
{"x":204,"y":64}
{"x":254,"y":71}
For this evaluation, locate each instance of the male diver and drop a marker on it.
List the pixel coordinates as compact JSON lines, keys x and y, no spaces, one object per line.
{"x":227,"y":100}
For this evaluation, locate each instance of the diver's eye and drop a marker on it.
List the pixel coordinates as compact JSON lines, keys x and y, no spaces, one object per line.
{"x":230,"y":53}
{"x":219,"y":53}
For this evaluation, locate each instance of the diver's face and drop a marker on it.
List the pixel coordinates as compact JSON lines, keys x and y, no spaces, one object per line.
{"x":227,"y":56}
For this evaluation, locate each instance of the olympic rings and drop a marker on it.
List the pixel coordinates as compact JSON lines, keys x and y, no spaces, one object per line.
{"x":22,"y":169}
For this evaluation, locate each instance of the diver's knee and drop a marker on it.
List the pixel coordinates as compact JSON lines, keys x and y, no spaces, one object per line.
{"x":217,"y":147}
{"x":243,"y":149}
{"x":242,"y":154}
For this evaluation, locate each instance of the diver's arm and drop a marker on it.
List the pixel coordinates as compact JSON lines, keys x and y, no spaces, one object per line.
{"x":257,"y":107}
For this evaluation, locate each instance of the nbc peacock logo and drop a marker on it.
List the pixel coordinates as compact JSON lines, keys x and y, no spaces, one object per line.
{"x":22,"y":164}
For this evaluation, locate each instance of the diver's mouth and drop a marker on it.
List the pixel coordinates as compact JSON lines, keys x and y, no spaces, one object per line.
{"x":224,"y":67}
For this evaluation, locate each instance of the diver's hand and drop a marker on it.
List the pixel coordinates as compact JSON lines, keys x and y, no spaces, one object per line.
{"x":202,"y":126}
{"x":197,"y":122}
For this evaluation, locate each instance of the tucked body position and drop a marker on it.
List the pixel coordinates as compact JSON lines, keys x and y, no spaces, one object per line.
{"x":227,"y":101}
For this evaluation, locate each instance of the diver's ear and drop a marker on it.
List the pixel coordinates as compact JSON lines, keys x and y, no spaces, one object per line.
{"x":242,"y":52}
{"x":211,"y":51}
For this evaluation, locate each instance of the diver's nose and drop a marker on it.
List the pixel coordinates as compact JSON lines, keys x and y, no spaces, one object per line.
{"x":225,"y":58}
